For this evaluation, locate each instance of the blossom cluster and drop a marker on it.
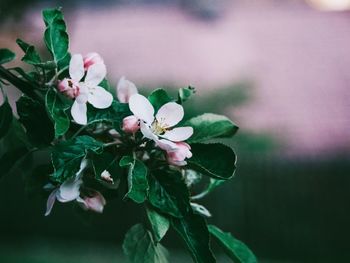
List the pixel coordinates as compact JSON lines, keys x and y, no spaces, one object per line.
{"x":85,"y":74}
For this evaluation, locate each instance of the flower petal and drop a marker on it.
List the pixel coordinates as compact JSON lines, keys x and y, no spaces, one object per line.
{"x":125,"y":89}
{"x":69,"y":190}
{"x":76,"y":67}
{"x":147,"y":132}
{"x":141,"y":108}
{"x":50,"y":202}
{"x":78,"y":112}
{"x":166,"y":145}
{"x":170,"y":114}
{"x":131,"y":124}
{"x":100,"y":98}
{"x":94,"y":203}
{"x":178,"y":134}
{"x":91,"y":59}
{"x":95,"y":74}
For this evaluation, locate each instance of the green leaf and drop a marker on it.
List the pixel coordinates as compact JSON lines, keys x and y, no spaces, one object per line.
{"x":168,"y":192}
{"x":67,"y":156}
{"x":114,"y":114}
{"x":215,"y":160}
{"x":160,"y":224}
{"x":33,"y":116}
{"x":209,"y":126}
{"x":137,"y":179}
{"x":55,"y":37}
{"x":5,"y":118}
{"x":234,"y":248}
{"x":31,"y":56}
{"x":139,"y":247}
{"x":193,"y":230}
{"x":158,"y":98}
{"x":56,"y":107}
{"x":185,"y":94}
{"x":6,"y":55}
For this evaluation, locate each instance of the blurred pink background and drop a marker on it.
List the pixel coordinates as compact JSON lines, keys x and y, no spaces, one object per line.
{"x":296,"y":57}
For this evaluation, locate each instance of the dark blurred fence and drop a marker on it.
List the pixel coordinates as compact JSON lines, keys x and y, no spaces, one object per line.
{"x":296,"y":209}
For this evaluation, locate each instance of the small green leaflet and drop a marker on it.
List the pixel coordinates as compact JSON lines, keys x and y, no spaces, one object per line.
{"x":235,"y":249}
{"x":139,"y":247}
{"x":210,"y":126}
{"x":31,"y":56}
{"x":159,"y":223}
{"x":215,"y":160}
{"x":158,"y":98}
{"x":185,"y":93}
{"x":137,"y":179}
{"x":67,"y":156}
{"x":6,"y":55}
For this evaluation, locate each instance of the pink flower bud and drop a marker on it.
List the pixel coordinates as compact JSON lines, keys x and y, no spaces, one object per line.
{"x":69,"y":88}
{"x":125,"y":89}
{"x":178,"y":155}
{"x":91,"y":59}
{"x":131,"y":124}
{"x":95,"y":202}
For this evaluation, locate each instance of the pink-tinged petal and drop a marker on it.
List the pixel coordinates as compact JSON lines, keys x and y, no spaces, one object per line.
{"x":50,"y":202}
{"x":147,"y":132}
{"x":76,"y":67}
{"x":78,"y":112}
{"x":95,"y":74}
{"x":91,"y":59}
{"x":141,"y":108}
{"x":69,"y":190}
{"x":170,"y":114}
{"x":125,"y":89}
{"x":178,"y":134}
{"x":95,"y":203}
{"x":100,"y":98}
{"x":177,"y":156}
{"x":105,"y":175}
{"x":69,"y":87}
{"x":63,"y":85}
{"x":166,"y":145}
{"x":131,"y":124}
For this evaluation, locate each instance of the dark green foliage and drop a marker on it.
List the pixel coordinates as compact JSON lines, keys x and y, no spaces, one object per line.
{"x":67,"y":156}
{"x":6,"y":55}
{"x":215,"y":160}
{"x":33,"y":116}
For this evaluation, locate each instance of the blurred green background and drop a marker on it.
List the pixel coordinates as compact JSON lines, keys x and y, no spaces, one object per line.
{"x":279,"y":69}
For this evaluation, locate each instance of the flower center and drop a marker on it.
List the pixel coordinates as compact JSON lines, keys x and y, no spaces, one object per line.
{"x":158,"y":128}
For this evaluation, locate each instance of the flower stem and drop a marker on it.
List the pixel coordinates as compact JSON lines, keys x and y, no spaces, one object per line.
{"x":79,"y":131}
{"x":111,"y":144}
{"x":54,"y":78}
{"x":20,"y":84}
